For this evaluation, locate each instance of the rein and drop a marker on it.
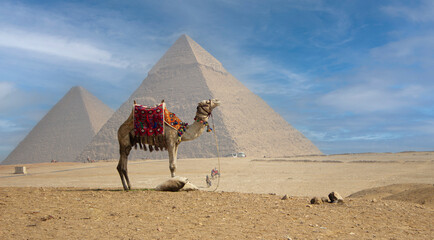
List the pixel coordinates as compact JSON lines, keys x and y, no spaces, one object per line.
{"x":218,"y":153}
{"x":197,"y":119}
{"x":209,"y":129}
{"x":202,"y":119}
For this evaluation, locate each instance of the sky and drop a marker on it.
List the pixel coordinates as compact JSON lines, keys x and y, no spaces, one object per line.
{"x":352,"y":76}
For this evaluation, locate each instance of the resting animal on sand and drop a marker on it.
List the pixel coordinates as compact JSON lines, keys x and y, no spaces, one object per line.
{"x":170,"y":140}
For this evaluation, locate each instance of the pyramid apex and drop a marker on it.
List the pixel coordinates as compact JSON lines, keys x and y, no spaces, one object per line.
{"x":184,"y":36}
{"x":77,"y":88}
{"x":186,"y":51}
{"x":77,"y":92}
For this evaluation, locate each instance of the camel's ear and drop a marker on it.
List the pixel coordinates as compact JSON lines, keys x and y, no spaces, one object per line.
{"x":162,"y":101}
{"x":135,"y":102}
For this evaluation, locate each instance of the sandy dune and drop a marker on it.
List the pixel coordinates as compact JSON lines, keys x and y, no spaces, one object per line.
{"x":411,"y":192}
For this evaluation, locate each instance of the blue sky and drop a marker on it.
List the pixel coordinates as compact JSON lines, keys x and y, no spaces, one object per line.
{"x":352,"y":76}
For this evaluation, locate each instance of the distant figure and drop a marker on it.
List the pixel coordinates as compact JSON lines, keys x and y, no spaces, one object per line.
{"x":88,"y":159}
{"x":208,"y":181}
{"x":53,"y":161}
{"x":214,"y":173}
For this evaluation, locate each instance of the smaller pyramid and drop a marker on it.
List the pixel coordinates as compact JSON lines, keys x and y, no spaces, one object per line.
{"x":64,"y":131}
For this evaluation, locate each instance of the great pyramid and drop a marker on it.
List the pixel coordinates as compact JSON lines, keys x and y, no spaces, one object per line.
{"x":64,"y":131}
{"x":184,"y":76}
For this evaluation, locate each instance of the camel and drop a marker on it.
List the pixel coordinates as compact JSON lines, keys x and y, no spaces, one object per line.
{"x":169,"y":141}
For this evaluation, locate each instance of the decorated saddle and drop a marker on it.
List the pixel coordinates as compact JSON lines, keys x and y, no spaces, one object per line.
{"x":149,"y":121}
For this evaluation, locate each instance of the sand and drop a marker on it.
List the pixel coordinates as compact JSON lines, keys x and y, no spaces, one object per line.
{"x":85,"y":201}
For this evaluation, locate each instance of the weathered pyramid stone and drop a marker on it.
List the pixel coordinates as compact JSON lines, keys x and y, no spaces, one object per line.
{"x":66,"y":129}
{"x":184,"y":76}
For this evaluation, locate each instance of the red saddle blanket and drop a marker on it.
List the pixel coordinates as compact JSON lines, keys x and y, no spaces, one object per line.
{"x":149,"y":121}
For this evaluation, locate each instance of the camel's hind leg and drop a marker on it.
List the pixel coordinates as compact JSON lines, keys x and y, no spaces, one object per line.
{"x":122,"y":166}
{"x":125,"y":146}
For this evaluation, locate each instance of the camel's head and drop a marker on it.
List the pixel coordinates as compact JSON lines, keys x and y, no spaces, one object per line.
{"x":205,"y":107}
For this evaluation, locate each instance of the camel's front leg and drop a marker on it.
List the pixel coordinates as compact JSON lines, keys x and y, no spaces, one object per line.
{"x":173,"y":156}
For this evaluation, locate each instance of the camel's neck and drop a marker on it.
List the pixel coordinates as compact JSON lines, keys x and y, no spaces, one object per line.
{"x":194,"y":131}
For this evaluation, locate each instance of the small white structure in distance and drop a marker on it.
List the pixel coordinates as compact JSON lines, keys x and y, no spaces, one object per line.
{"x":20,"y":170}
{"x":234,"y":155}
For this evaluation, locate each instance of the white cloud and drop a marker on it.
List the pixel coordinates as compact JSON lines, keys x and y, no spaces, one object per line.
{"x":408,"y":50}
{"x":278,"y":81}
{"x":13,"y":99}
{"x":5,"y":89}
{"x":422,"y":13}
{"x":339,"y":135}
{"x":422,"y":127}
{"x":372,"y":98}
{"x":263,"y":76}
{"x":396,"y":79}
{"x":57,"y":46}
{"x":8,"y":126}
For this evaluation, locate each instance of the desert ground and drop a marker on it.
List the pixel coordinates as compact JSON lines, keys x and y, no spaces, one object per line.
{"x":386,"y":196}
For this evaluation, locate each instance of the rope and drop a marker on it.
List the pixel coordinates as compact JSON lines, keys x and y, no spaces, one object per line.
{"x":218,"y":153}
